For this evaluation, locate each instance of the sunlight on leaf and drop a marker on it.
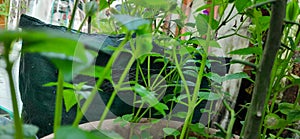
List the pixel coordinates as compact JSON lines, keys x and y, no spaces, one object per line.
{"x":171,"y":131}
{"x":247,"y":51}
{"x":209,"y":96}
{"x":131,"y":22}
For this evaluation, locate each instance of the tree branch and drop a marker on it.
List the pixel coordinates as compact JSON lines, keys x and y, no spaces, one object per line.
{"x":254,"y":118}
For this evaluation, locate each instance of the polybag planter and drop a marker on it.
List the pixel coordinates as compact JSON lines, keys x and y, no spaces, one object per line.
{"x":37,"y":70}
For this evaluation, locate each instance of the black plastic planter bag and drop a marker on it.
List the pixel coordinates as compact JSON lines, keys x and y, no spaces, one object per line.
{"x":36,"y":70}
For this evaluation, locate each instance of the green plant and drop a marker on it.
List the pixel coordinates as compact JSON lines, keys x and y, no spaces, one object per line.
{"x":179,"y":61}
{"x":266,"y":108}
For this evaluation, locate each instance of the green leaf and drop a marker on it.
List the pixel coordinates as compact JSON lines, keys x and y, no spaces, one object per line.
{"x":69,"y":98}
{"x":90,"y":8}
{"x":213,"y":43}
{"x":214,"y":24}
{"x":124,"y":120}
{"x":131,"y":22}
{"x":135,"y":137}
{"x":171,"y":131}
{"x":181,"y":97}
{"x":239,"y":75}
{"x":144,"y":127}
{"x":30,"y":130}
{"x":149,"y":98}
{"x":7,"y":131}
{"x":263,"y":23}
{"x":164,"y":5}
{"x":198,"y":128}
{"x":180,"y":115}
{"x":214,"y":77}
{"x":146,"y":135}
{"x":209,"y":96}
{"x":293,"y":116}
{"x":294,"y":130}
{"x":104,"y":4}
{"x":240,"y":5}
{"x":66,"y":85}
{"x":190,"y":24}
{"x":165,"y":41}
{"x":292,"y":10}
{"x":190,"y":73}
{"x":144,"y":93}
{"x":127,"y":117}
{"x":201,"y":24}
{"x":143,"y":45}
{"x":247,"y":51}
{"x":273,"y":121}
{"x":179,"y":22}
{"x":286,"y":108}
{"x":120,"y":121}
{"x":161,"y":107}
{"x":202,"y":42}
{"x":64,"y":50}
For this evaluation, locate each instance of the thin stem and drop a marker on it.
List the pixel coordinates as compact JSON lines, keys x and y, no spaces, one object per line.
{"x":160,"y":22}
{"x":136,"y":117}
{"x":157,"y":77}
{"x":148,"y":71}
{"x":226,"y":18}
{"x":232,"y":120}
{"x":200,"y":75}
{"x":100,"y":80}
{"x":280,"y":131}
{"x":116,"y":90}
{"x":82,"y":23}
{"x":236,"y":32}
{"x":136,"y":80}
{"x":73,"y":14}
{"x":165,"y":77}
{"x":297,"y":98}
{"x":193,"y":102}
{"x":181,"y":75}
{"x":58,"y":102}
{"x":17,"y":119}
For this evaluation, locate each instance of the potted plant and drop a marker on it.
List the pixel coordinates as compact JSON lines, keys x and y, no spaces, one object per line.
{"x":145,"y":61}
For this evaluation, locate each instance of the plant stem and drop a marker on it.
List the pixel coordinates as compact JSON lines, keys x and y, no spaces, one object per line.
{"x":232,"y":120}
{"x":254,"y":117}
{"x":58,"y":102}
{"x":190,"y":109}
{"x":226,"y":18}
{"x":193,"y":102}
{"x":82,"y":23}
{"x":297,"y":99}
{"x":116,"y":90}
{"x":73,"y":14}
{"x":160,"y":22}
{"x":280,"y":131}
{"x":100,"y":80}
{"x":9,"y":66}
